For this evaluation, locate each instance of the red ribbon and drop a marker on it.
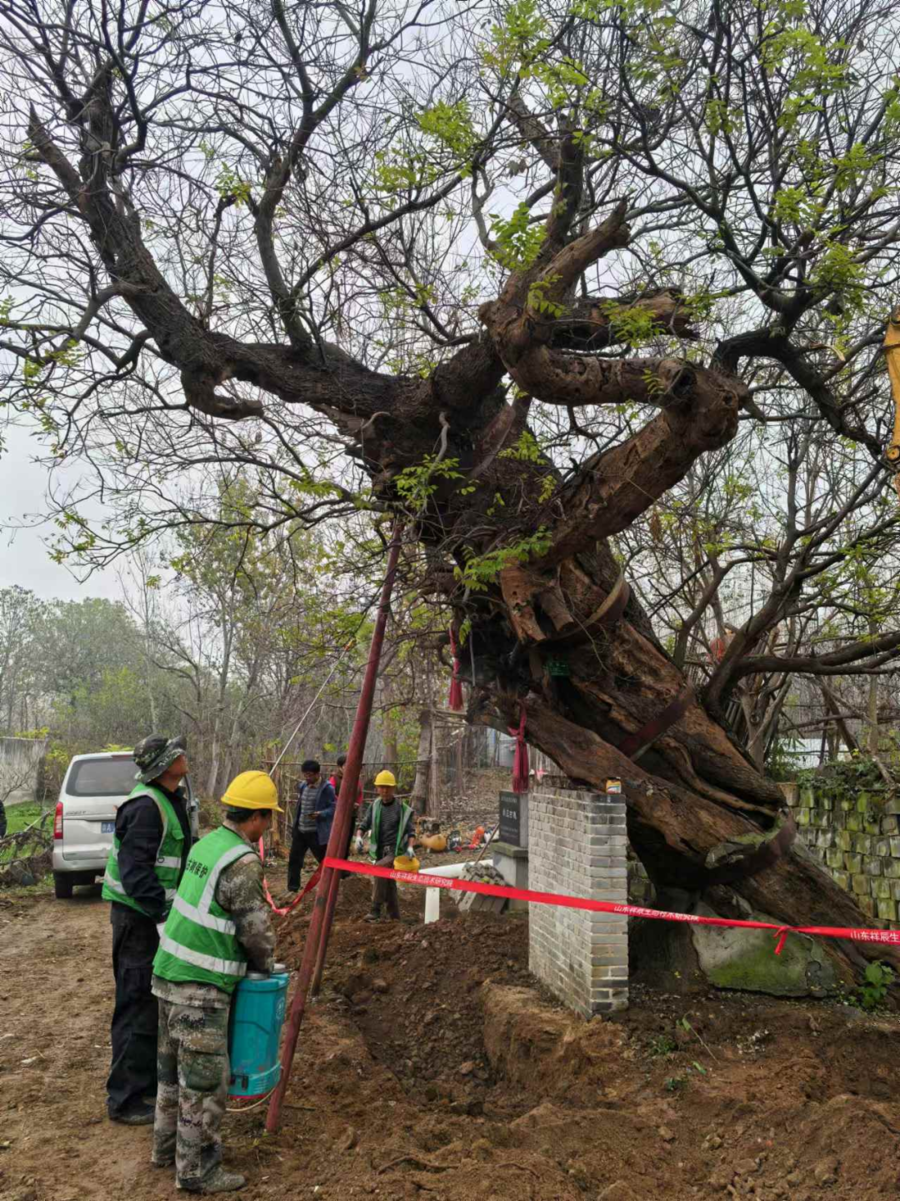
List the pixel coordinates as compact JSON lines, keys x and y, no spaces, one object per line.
{"x":310,"y":884}
{"x":780,"y":933}
{"x":455,"y":700}
{"x":520,"y":781}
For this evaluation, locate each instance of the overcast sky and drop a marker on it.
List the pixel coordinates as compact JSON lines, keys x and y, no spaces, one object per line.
{"x":24,"y":559}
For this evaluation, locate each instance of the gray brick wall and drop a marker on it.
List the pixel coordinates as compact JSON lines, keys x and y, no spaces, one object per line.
{"x":578,"y":846}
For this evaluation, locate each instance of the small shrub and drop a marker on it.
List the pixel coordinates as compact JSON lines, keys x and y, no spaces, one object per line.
{"x":662,"y":1045}
{"x":874,"y":989}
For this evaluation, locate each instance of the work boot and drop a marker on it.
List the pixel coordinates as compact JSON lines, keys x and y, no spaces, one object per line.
{"x":141,"y":1114}
{"x":219,"y":1180}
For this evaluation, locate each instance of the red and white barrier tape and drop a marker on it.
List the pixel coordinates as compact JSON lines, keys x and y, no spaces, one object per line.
{"x":308,"y":886}
{"x":780,"y":933}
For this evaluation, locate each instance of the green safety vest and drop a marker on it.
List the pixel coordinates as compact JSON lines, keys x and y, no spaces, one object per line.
{"x":405,"y":815}
{"x":169,"y":857}
{"x":200,"y":943}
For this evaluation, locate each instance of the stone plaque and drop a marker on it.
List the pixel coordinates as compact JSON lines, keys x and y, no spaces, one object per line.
{"x":514,"y":818}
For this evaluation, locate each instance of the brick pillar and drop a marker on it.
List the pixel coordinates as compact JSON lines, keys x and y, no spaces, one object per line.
{"x":578,"y":845}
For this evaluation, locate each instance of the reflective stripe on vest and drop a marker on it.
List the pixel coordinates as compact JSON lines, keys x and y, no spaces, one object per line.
{"x":223,"y":924}
{"x":200,"y":942}
{"x":119,"y":889}
{"x":167,"y":866}
{"x":223,"y":967}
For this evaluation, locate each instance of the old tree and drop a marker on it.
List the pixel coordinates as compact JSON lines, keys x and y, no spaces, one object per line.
{"x":521,"y":271}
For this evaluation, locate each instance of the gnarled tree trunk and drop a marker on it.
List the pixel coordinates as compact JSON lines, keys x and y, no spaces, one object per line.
{"x":701,"y":816}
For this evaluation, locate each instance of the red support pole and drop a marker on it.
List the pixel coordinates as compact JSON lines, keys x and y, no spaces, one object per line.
{"x":330,"y":903}
{"x":326,"y":894}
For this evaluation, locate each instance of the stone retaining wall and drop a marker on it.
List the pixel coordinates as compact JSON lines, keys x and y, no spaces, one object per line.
{"x":855,"y":835}
{"x":856,"y":839}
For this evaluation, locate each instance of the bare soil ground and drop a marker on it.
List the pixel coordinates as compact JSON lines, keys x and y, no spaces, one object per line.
{"x":432,"y":1066}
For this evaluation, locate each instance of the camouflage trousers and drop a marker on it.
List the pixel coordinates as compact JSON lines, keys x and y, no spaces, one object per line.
{"x":192,"y":1069}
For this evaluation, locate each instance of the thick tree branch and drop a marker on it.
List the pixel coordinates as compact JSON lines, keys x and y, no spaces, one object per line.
{"x":700,"y":414}
{"x":771,"y":343}
{"x":533,"y":130}
{"x":514,"y":321}
{"x":596,"y":322}
{"x":206,"y":358}
{"x":872,"y":652}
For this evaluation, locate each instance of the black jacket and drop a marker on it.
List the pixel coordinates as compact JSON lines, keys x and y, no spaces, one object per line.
{"x":139,"y":831}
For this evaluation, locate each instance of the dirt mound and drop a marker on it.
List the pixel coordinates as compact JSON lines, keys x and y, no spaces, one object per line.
{"x":413,"y":990}
{"x":550,"y":1051}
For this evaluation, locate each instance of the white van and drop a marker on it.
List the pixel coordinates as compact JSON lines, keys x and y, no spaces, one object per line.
{"x":93,"y":789}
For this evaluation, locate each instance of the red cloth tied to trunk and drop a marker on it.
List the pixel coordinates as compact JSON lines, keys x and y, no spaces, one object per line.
{"x":455,"y":699}
{"x":520,"y":781}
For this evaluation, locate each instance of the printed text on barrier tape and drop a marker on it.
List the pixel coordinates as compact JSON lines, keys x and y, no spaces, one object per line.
{"x":780,"y":933}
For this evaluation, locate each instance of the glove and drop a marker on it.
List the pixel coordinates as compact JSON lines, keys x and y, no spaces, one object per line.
{"x":160,"y":926}
{"x":358,"y":844}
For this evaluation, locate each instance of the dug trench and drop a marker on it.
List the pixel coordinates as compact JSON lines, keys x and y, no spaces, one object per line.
{"x":433,"y":1064}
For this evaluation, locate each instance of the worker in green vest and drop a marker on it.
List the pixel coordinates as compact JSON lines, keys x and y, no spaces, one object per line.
{"x":219,"y":928}
{"x":389,"y":825}
{"x":150,"y":848}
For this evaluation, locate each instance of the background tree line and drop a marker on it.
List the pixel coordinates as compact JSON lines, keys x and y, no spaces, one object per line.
{"x":224,"y":636}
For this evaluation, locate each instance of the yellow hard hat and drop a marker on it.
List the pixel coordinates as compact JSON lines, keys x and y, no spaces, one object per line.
{"x":252,"y":790}
{"x":385,"y":778}
{"x":406,"y":863}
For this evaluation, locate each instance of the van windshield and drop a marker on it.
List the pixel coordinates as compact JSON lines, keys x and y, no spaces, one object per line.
{"x":101,"y":777}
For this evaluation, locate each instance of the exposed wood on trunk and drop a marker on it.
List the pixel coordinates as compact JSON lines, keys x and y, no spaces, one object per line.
{"x":519,"y":587}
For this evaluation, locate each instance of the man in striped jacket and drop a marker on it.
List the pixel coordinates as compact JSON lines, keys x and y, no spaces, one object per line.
{"x":218,"y":929}
{"x":150,"y":848}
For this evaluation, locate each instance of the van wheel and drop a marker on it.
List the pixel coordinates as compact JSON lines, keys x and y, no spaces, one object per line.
{"x":63,"y":885}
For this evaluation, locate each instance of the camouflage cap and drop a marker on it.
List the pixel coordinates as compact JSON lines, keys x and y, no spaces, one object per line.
{"x":155,"y":754}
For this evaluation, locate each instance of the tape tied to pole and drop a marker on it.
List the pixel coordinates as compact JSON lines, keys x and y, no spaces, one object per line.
{"x":779,"y":932}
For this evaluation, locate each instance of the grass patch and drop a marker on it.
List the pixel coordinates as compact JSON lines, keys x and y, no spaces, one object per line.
{"x":22,"y":892}
{"x":18,"y":817}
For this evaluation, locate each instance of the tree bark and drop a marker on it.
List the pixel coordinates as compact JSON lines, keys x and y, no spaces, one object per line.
{"x":419,"y":796}
{"x":872,"y":732}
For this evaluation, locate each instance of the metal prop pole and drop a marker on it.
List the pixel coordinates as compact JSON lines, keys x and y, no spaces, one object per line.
{"x":322,"y":913}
